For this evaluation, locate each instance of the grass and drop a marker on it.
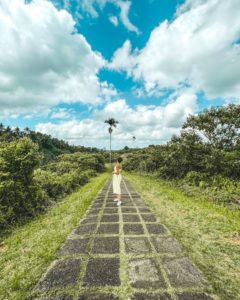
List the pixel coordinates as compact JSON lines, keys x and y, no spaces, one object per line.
{"x":27,"y":252}
{"x":209,"y":233}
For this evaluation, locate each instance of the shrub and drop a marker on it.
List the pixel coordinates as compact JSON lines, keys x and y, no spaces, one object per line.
{"x":20,"y":196}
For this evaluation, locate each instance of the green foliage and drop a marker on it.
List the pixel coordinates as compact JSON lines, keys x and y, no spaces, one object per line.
{"x":67,"y":172}
{"x":49,"y":146}
{"x":26,"y":190}
{"x":220,"y":125}
{"x":212,"y":164}
{"x":19,"y":194}
{"x":215,"y":188}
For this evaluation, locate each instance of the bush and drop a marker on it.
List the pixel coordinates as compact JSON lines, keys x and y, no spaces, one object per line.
{"x":196,"y":178}
{"x":26,"y":190}
{"x":68,"y":172}
{"x":20,"y":195}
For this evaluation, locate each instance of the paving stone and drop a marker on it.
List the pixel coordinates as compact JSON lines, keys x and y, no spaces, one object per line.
{"x":193,"y":296}
{"x":144,"y":273}
{"x":111,"y":200}
{"x":182,"y":273}
{"x":85,"y":229}
{"x":143,"y":296}
{"x":149,"y":217}
{"x":127,"y":203}
{"x":62,"y":274}
{"x":111,"y":210}
{"x":156,"y":229}
{"x":144,"y":210}
{"x":90,"y":219}
{"x":97,"y":297}
{"x":74,"y":246}
{"x":106,"y":245}
{"x":133,"y":229}
{"x":137,"y":245}
{"x":110,"y":218}
{"x":142,"y":205}
{"x":98,"y":201}
{"x":108,"y":229}
{"x":126,"y":197}
{"x":131,"y":218}
{"x":102,"y":272}
{"x":111,"y":204}
{"x":59,"y":297}
{"x":129,"y":210}
{"x":166,"y":244}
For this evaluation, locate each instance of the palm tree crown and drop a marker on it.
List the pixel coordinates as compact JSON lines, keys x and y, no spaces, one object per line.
{"x":111,"y":122}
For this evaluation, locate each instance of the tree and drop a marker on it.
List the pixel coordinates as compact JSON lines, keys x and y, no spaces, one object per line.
{"x":133,"y":139}
{"x":19,"y":194}
{"x":112,"y":123}
{"x":219,"y":125}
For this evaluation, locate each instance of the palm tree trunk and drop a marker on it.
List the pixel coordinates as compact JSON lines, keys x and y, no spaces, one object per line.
{"x":110,"y":154}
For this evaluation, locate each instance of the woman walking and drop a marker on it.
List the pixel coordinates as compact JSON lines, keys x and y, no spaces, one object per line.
{"x":117,"y":178}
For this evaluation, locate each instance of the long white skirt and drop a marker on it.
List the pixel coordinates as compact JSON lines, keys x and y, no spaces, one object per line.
{"x":117,"y":183}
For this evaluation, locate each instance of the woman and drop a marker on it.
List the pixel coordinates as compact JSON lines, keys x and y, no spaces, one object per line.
{"x":117,"y":177}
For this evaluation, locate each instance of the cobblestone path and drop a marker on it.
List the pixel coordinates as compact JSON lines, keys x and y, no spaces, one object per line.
{"x":121,"y":253}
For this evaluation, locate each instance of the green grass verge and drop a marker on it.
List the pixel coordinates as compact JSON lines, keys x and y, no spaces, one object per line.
{"x":28,"y":251}
{"x":209,"y":233}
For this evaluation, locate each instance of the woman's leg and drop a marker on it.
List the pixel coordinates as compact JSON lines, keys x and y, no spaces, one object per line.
{"x":119,"y":190}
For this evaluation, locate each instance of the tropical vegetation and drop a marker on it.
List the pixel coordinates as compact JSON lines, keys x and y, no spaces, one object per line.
{"x":28,"y":187}
{"x":204,"y":158}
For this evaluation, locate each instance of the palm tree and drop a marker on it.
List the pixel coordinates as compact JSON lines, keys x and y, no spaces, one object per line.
{"x":112,"y":123}
{"x":1,"y":127}
{"x":133,"y":139}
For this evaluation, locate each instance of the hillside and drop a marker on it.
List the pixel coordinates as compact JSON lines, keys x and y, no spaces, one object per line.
{"x":50,"y":146}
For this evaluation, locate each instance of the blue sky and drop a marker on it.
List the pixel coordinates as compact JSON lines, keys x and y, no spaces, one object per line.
{"x":67,"y":65}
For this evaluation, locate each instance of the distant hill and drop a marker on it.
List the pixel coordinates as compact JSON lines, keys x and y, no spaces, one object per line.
{"x":51,"y":147}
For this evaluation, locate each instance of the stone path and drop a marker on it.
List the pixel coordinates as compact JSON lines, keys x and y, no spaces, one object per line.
{"x":121,"y":253}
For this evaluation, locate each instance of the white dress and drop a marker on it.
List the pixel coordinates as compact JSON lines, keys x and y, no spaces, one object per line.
{"x":117,"y":182}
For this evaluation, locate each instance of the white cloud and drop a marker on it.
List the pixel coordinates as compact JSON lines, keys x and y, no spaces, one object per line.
{"x":114,"y":20}
{"x":24,"y":112}
{"x":43,"y":60}
{"x":198,"y":48}
{"x":150,"y":124}
{"x":125,"y":7}
{"x":61,"y":113}
{"x":123,"y":60}
{"x":92,"y":8}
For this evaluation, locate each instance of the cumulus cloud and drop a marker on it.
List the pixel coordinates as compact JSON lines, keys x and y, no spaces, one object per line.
{"x":43,"y":60}
{"x":200,"y":47}
{"x":150,"y":124}
{"x":123,"y":60}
